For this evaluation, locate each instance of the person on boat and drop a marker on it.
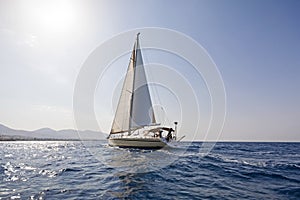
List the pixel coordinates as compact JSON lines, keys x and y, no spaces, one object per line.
{"x":169,"y":136}
{"x":160,"y":134}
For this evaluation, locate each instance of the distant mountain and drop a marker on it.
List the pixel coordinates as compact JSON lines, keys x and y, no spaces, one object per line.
{"x":7,"y":133}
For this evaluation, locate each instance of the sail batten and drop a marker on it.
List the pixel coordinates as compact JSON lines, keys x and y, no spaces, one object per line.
{"x":134,"y":109}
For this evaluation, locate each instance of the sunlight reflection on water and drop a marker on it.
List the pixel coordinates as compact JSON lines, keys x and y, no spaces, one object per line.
{"x":67,"y":170}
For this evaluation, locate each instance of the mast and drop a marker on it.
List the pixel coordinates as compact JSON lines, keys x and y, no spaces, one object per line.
{"x":132,"y":94}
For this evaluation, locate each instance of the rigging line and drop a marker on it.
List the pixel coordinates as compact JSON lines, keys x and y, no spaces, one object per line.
{"x":167,"y":119}
{"x":153,"y":88}
{"x":146,"y":71}
{"x":163,"y":114}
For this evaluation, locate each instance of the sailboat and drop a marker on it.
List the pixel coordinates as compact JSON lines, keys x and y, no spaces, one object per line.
{"x":134,"y":123}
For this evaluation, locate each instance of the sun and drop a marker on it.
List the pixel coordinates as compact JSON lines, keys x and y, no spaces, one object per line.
{"x":55,"y":16}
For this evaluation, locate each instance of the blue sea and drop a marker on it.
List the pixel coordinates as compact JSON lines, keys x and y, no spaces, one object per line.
{"x":81,"y":170}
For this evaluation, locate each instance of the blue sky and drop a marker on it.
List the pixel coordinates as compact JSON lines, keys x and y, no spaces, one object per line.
{"x":255,"y":45}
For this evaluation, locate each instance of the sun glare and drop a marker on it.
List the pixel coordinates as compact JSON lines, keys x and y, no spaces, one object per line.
{"x":55,"y":16}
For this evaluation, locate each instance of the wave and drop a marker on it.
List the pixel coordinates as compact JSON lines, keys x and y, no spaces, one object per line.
{"x":72,"y":170}
{"x":254,"y":162}
{"x":291,"y":191}
{"x":229,"y":171}
{"x":270,"y":175}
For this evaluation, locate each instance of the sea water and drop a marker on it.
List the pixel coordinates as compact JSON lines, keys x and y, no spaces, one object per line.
{"x":71,"y":170}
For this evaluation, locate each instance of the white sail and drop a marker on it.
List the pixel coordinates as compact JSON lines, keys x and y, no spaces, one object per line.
{"x":122,"y":117}
{"x":134,"y":109}
{"x":142,"y":111}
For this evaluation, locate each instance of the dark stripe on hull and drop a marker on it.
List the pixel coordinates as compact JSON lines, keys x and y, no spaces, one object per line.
{"x":137,"y":143}
{"x":133,"y":147}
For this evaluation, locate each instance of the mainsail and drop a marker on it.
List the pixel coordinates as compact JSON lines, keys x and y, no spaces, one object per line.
{"x":134,"y":109}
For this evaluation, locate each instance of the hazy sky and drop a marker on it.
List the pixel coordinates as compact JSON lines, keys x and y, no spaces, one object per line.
{"x":255,"y":45}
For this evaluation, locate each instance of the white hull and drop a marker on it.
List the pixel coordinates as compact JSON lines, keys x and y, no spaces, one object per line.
{"x":153,"y":143}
